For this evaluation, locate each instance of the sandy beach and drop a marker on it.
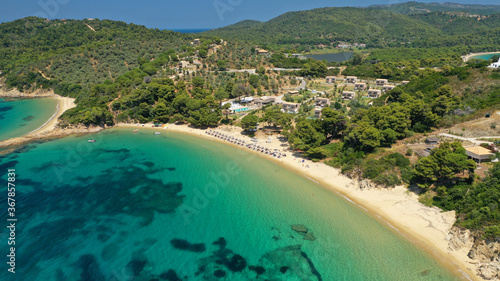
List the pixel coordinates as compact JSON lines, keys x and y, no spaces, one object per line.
{"x":49,"y":129}
{"x":469,"y":56}
{"x":428,"y":227}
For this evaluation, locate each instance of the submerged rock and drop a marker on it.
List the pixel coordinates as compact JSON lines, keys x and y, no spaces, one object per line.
{"x":289,"y":262}
{"x":185,"y":245}
{"x":136,"y":266}
{"x":219,"y":273}
{"x":170,"y":275}
{"x":221,"y":242}
{"x":236,"y":263}
{"x":300,"y":228}
{"x":257,"y":269}
{"x":90,"y":268}
{"x":309,"y":236}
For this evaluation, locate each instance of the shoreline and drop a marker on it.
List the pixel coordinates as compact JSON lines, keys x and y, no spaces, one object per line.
{"x":426,"y":227}
{"x":469,"y":56}
{"x":49,"y":129}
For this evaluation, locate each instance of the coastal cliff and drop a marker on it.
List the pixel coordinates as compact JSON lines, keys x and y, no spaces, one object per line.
{"x":485,"y":254}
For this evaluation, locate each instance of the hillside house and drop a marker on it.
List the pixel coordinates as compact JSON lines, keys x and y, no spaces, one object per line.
{"x":263,"y":101}
{"x":360,"y":86}
{"x":405,"y":82}
{"x":351,"y":79}
{"x":317,"y":112}
{"x":331,"y":79}
{"x":432,"y":141}
{"x":373,"y":94}
{"x":263,"y":52}
{"x":183,"y":64}
{"x":290,"y":107}
{"x":479,"y":154}
{"x":347,"y":95}
{"x":387,"y":88}
{"x":495,"y":65}
{"x":322,"y":102}
{"x":196,"y":42}
{"x":381,"y":82}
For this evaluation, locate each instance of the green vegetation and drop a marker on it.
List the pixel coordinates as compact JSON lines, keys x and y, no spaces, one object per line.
{"x":121,"y":72}
{"x":377,"y":28}
{"x":444,"y":163}
{"x":424,"y":8}
{"x":476,"y":204}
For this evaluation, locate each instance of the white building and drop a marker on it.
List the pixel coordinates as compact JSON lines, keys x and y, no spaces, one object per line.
{"x":237,"y":107}
{"x":495,"y":65}
{"x":290,"y":107}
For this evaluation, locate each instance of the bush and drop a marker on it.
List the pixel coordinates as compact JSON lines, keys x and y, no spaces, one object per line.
{"x":409,"y":152}
{"x":389,"y":180}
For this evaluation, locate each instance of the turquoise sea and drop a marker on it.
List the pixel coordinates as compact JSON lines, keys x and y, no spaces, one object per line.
{"x":138,"y":206}
{"x":19,"y":117}
{"x":486,"y":57}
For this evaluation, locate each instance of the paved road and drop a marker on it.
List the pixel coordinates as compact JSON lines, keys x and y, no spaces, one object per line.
{"x":252,"y":70}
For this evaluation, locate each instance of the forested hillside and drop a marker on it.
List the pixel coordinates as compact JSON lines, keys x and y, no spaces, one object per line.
{"x":375,"y":27}
{"x":422,"y":8}
{"x":83,"y":51}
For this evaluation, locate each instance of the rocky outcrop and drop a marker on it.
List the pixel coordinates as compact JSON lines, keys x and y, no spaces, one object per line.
{"x":459,"y":239}
{"x":365,"y":184}
{"x":485,"y":255}
{"x":488,"y":256}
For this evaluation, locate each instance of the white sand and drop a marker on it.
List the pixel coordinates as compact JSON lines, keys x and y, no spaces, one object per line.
{"x":425,"y":226}
{"x":49,"y":129}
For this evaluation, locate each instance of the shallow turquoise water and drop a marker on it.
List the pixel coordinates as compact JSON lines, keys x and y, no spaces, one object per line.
{"x":135,"y":206}
{"x":486,"y":57}
{"x":21,"y":116}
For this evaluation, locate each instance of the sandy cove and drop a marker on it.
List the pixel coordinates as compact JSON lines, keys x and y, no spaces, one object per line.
{"x":49,"y":129}
{"x":425,"y":226}
{"x":469,"y":56}
{"x":428,"y":227}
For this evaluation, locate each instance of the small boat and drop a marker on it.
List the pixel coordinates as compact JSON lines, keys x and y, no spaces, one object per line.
{"x":157,"y":133}
{"x":91,"y":140}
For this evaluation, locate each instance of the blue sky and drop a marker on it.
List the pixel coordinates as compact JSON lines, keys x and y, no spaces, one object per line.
{"x":176,"y":14}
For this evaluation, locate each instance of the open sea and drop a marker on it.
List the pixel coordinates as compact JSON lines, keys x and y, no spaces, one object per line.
{"x":138,"y":206}
{"x":19,"y":117}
